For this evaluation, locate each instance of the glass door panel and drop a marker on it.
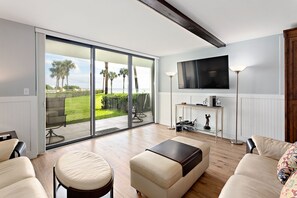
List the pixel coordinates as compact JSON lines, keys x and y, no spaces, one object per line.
{"x":142,"y":91}
{"x":111,"y":91}
{"x":67,"y":78}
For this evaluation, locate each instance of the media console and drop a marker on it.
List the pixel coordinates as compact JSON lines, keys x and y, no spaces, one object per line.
{"x":190,"y":126}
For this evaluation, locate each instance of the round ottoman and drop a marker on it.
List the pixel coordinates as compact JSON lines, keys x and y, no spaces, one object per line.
{"x":83,"y":174}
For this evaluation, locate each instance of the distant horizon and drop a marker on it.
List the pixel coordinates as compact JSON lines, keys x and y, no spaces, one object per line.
{"x":115,"y":90}
{"x":80,"y":76}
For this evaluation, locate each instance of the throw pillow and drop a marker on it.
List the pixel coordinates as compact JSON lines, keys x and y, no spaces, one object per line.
{"x":287,"y":164}
{"x":290,"y":188}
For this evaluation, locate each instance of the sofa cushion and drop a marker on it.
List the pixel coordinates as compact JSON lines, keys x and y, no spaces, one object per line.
{"x":246,"y":187}
{"x":161,"y":170}
{"x":287,"y":164}
{"x":269,"y":147}
{"x":259,"y":168}
{"x":83,"y":170}
{"x":7,"y":148}
{"x":29,"y":187}
{"x":14,"y":170}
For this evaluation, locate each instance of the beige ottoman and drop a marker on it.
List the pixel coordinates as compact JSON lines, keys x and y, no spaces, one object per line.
{"x":83,"y":174}
{"x":157,"y":176}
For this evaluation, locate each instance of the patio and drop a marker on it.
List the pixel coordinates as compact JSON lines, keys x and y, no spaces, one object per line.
{"x":104,"y":126}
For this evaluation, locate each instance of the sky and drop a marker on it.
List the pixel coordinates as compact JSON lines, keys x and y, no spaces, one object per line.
{"x":80,"y":76}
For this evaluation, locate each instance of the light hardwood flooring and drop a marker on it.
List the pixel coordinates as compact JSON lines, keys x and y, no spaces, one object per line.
{"x":119,"y":148}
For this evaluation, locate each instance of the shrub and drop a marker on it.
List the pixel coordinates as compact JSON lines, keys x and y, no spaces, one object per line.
{"x":98,"y":91}
{"x":120,"y":101}
{"x":71,"y":87}
{"x":48,"y":87}
{"x":115,"y":101}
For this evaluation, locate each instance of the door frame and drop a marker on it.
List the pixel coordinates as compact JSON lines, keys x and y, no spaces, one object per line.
{"x":290,"y":36}
{"x":40,"y":65}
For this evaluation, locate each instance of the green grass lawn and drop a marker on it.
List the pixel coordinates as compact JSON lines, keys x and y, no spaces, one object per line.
{"x":78,"y":109}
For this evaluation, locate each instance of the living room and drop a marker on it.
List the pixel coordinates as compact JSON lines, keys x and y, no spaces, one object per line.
{"x":253,"y":33}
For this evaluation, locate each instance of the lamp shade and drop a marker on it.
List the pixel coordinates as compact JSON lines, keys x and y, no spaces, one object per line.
{"x":237,"y":68}
{"x":170,"y":73}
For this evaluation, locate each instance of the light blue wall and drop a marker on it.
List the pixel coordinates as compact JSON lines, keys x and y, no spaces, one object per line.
{"x":263,"y":56}
{"x":17,"y":59}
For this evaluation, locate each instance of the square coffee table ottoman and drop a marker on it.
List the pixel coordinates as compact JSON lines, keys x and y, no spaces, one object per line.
{"x":157,"y":176}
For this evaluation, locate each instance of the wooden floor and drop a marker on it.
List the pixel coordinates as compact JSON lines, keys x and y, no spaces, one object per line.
{"x":120,"y":147}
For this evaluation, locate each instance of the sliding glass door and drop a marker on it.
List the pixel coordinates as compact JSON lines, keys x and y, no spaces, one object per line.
{"x":92,"y":91}
{"x":111,"y":91}
{"x":67,"y":79}
{"x":142,"y":90}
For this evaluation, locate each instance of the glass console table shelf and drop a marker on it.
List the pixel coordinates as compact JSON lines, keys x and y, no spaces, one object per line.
{"x":218,"y":117}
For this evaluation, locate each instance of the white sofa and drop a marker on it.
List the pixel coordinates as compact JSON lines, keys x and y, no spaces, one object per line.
{"x":17,"y":176}
{"x":255,"y":175}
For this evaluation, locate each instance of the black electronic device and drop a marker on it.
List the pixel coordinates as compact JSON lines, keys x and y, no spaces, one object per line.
{"x":200,"y":104}
{"x":208,"y":73}
{"x":5,"y":137}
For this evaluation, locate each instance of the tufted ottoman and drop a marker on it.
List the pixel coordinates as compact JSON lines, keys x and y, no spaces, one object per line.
{"x":157,"y":176}
{"x":83,"y":174}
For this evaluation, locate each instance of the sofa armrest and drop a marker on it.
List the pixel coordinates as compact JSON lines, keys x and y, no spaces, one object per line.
{"x":19,"y":150}
{"x":7,"y":148}
{"x":250,"y":145}
{"x":269,"y":147}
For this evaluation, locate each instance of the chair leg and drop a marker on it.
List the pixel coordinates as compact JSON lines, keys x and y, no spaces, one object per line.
{"x":111,"y":192}
{"x":54,"y":182}
{"x":52,"y":134}
{"x":142,"y":115}
{"x":136,"y":118}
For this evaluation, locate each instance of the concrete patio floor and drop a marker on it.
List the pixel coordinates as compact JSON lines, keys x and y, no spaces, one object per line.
{"x":104,"y":126}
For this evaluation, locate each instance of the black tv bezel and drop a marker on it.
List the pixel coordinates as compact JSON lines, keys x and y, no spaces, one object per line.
{"x":227,"y":87}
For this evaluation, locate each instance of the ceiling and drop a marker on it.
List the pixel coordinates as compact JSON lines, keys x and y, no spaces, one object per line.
{"x":132,"y":25}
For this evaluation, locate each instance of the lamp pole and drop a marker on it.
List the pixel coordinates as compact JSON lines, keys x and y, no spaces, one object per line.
{"x":170,"y":74}
{"x":171,"y":127}
{"x":235,"y":141}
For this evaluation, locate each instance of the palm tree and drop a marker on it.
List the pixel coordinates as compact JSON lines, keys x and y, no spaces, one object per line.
{"x":56,"y":71}
{"x":106,"y":78}
{"x":54,"y":74}
{"x":135,"y":79}
{"x":112,"y":76}
{"x":124,"y":73}
{"x":67,"y":66}
{"x":60,"y":70}
{"x":63,"y":74}
{"x":103,"y":72}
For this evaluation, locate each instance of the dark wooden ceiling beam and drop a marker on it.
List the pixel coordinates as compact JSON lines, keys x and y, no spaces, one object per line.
{"x":178,"y":17}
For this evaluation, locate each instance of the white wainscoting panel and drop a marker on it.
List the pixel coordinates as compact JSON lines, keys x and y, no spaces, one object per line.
{"x":263,"y":116}
{"x":257,"y":114}
{"x":20,"y":114}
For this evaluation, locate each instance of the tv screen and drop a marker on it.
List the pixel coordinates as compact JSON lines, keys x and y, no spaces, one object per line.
{"x":208,"y":73}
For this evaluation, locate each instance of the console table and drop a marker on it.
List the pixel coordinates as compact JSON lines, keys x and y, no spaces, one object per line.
{"x":204,"y":109}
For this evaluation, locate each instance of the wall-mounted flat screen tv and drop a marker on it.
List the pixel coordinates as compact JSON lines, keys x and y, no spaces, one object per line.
{"x":208,"y":73}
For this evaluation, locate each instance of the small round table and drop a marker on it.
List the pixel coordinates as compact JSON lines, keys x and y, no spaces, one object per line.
{"x":83,"y":174}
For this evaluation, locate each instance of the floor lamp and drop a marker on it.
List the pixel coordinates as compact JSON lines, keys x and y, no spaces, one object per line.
{"x":170,"y":74}
{"x":237,"y":70}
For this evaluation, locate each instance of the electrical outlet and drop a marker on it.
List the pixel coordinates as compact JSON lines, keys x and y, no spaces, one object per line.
{"x":26,"y":91}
